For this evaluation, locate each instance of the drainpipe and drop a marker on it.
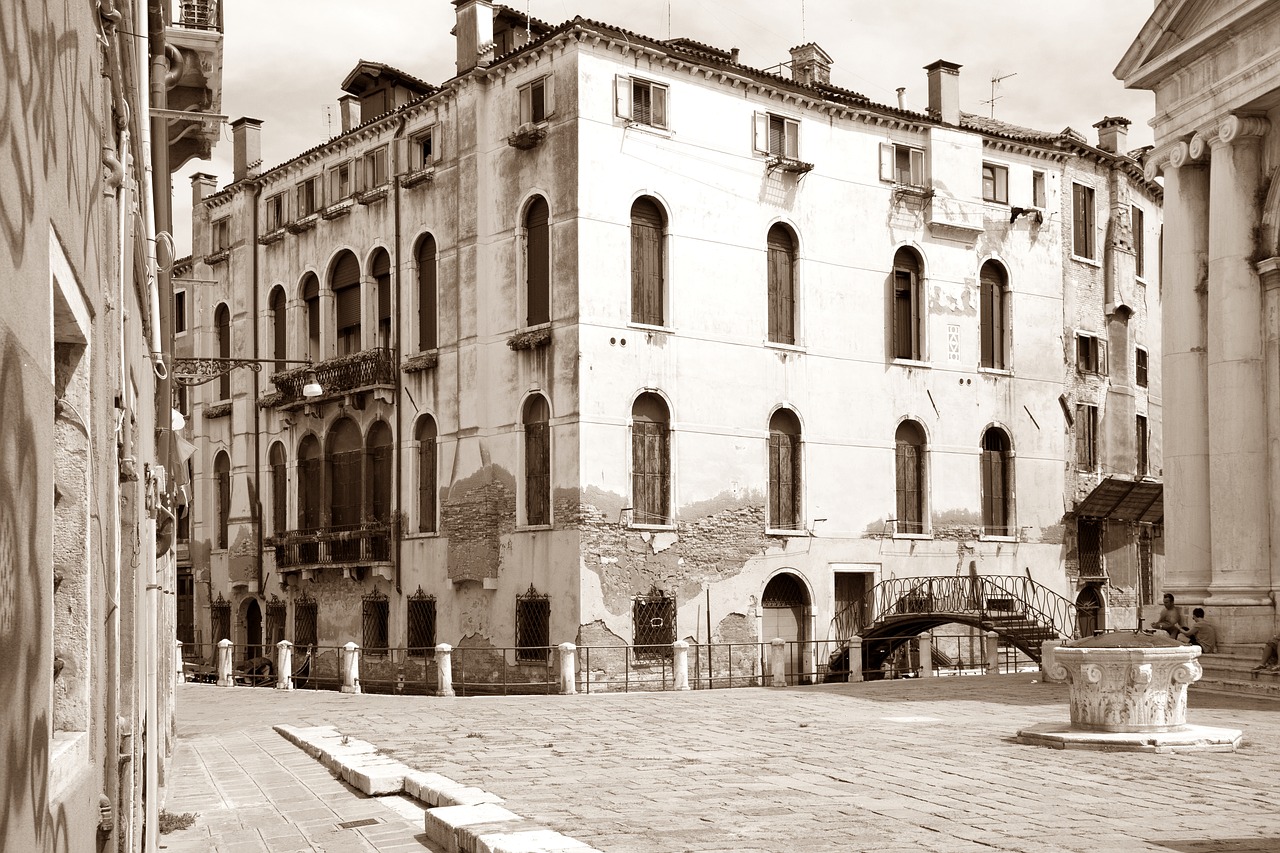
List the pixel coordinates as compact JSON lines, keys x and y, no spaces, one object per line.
{"x":395,"y":348}
{"x":256,"y":187}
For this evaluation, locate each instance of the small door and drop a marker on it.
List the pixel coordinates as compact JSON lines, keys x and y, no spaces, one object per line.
{"x":1089,"y":613}
{"x":785,"y":601}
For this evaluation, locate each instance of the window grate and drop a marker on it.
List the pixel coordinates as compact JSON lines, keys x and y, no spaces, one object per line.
{"x":533,"y":626}
{"x":421,"y":618}
{"x":275,"y":622}
{"x":376,"y":612}
{"x":220,"y":619}
{"x":304,"y":621}
{"x":653,"y":617}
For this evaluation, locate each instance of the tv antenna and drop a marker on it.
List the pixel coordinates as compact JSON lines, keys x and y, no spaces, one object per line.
{"x":995,"y":81}
{"x":327,"y":111}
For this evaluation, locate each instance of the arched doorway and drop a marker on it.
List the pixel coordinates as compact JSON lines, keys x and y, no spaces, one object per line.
{"x":785,"y":607}
{"x":1089,"y":613}
{"x":252,"y":629}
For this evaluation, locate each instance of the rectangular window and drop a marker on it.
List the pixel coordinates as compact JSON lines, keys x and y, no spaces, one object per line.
{"x":995,"y":183}
{"x":422,"y":150}
{"x":533,"y":627}
{"x":275,"y":212}
{"x":421,"y":621}
{"x":1139,"y":242}
{"x":641,"y":101}
{"x":1140,"y":367}
{"x":376,"y":614}
{"x":1091,"y":354}
{"x":535,"y":101}
{"x":1089,"y":547}
{"x":904,"y":315}
{"x":777,"y":136}
{"x":339,"y":182}
{"x":1140,"y":445}
{"x":375,"y":168}
{"x":304,"y":621}
{"x":1083,"y":221}
{"x":1086,"y":437}
{"x":221,"y":235}
{"x":537,"y":472}
{"x":179,"y":312}
{"x":901,"y":164}
{"x":650,"y":476}
{"x":1037,"y":190}
{"x":308,"y":197}
{"x":653,"y":624}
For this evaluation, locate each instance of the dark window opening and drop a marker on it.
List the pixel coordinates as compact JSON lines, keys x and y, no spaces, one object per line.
{"x":222,"y":484}
{"x":279,"y":328}
{"x":279,"y":489}
{"x":1141,"y":439}
{"x":378,"y":473}
{"x":344,"y":451}
{"x":647,"y":263}
{"x":537,"y":263}
{"x":222,"y":331}
{"x":782,"y":286}
{"x":427,"y":293}
{"x":1089,"y":547}
{"x":537,"y":461}
{"x":784,"y":471}
{"x":995,"y":183}
{"x":992,"y":319}
{"x":380,"y":269}
{"x":1140,"y":368}
{"x":533,"y":626}
{"x":650,"y":460}
{"x":219,"y":620}
{"x":346,"y":302}
{"x":309,"y":494}
{"x":1086,"y":437}
{"x":1083,"y":221}
{"x":375,"y":612}
{"x":311,"y":300}
{"x":420,"y":617}
{"x":653,"y":619}
{"x":997,"y":484}
{"x":905,"y":335}
{"x":305,"y":632}
{"x":909,"y":465}
{"x":426,"y":436}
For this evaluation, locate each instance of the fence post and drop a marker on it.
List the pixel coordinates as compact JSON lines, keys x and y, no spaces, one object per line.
{"x":350,"y":668}
{"x":778,"y":662}
{"x":568,"y":669}
{"x":680,"y":665}
{"x":926,"y":654}
{"x":444,"y":670}
{"x":179,"y":674}
{"x":224,"y":664}
{"x":1048,"y":651}
{"x":993,"y":653}
{"x":284,"y":665}
{"x":855,"y":658}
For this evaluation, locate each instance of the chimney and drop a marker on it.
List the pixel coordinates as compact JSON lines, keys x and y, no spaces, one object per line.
{"x":202,"y":186}
{"x":944,"y":91}
{"x":810,"y":64}
{"x":349,"y":106}
{"x":246,"y":148}
{"x":473,"y":33}
{"x":733,"y":55}
{"x":902,"y":97}
{"x":1112,"y":133}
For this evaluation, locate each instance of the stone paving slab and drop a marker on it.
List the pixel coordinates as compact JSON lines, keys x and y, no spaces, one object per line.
{"x":915,"y":765}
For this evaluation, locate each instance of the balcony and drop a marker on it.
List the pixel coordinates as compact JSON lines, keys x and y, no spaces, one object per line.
{"x":195,"y":67}
{"x":341,"y":547}
{"x":346,"y":374}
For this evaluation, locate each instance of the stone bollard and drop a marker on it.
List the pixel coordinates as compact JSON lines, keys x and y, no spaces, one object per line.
{"x":350,"y":666}
{"x":680,"y":665}
{"x":778,"y":662}
{"x":568,"y":669}
{"x":179,"y":675}
{"x":224,"y":664}
{"x":444,"y":670}
{"x":284,"y":665}
{"x":855,"y":658}
{"x":1048,"y":652}
{"x":993,"y":653}
{"x":926,"y":654}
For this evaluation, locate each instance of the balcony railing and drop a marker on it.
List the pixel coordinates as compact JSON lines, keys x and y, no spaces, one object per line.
{"x":338,"y":376}
{"x":359,"y":544}
{"x":200,"y":14}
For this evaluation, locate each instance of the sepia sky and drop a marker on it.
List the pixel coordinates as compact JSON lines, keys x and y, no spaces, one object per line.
{"x":284,"y":60}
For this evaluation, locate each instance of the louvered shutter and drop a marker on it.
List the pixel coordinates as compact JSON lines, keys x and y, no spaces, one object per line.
{"x":1079,"y":221}
{"x":886,"y":161}
{"x":647,"y":266}
{"x":658,"y":105}
{"x":622,"y":93}
{"x":538,"y":260}
{"x":792,"y":146}
{"x":781,"y":286}
{"x":427,"y":294}
{"x":760,"y":133}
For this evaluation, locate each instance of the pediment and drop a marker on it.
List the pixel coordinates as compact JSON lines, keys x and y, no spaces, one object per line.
{"x":1178,"y":27}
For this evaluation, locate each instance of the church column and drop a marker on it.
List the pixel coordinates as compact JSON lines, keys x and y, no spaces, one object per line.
{"x":1240,"y":519}
{"x":1184,"y":371}
{"x":1269,"y":271}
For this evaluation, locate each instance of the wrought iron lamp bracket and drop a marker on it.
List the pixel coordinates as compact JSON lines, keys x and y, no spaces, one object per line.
{"x":198,"y":371}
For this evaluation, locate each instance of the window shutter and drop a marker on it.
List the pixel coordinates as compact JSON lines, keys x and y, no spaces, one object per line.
{"x":886,"y":161}
{"x":526,"y":106}
{"x":917,"y":167}
{"x":548,"y":97}
{"x":792,"y":149}
{"x":622,"y":91}
{"x":659,"y":107}
{"x":427,"y":294}
{"x":646,"y":264}
{"x":437,"y":143}
{"x":761,"y":133}
{"x":347,"y":306}
{"x":537,"y":263}
{"x":1079,"y":221}
{"x":1102,"y":356}
{"x":427,"y":484}
{"x":1010,"y":494}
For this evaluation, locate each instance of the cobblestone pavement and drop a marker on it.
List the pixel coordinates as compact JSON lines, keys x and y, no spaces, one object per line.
{"x":884,"y":766}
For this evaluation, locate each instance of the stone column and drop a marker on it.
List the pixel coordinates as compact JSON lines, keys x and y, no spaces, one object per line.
{"x":993,"y":653}
{"x":349,"y":663}
{"x":778,"y":662}
{"x":680,"y":678}
{"x":1184,"y":374}
{"x":225,"y":679}
{"x":284,"y":665}
{"x":444,"y":670}
{"x":855,"y":658}
{"x":568,"y":669}
{"x":1269,"y":272}
{"x":926,"y":654}
{"x":1240,"y":515}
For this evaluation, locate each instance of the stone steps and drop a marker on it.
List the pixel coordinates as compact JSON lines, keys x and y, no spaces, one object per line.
{"x":1231,"y":671}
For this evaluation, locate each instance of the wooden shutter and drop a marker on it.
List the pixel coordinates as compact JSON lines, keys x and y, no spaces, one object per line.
{"x":1079,"y":222}
{"x":658,"y":105}
{"x":548,"y":97}
{"x":1102,"y":355}
{"x":427,"y":481}
{"x":903,"y":314}
{"x":994,"y":504}
{"x":622,"y":94}
{"x":791,"y":147}
{"x":650,"y":479}
{"x":377,"y":474}
{"x":908,"y":487}
{"x":783,"y":480}
{"x":886,"y":161}
{"x":991,"y":318}
{"x":427,"y":294}
{"x":781,"y":294}
{"x":647,"y":263}
{"x":347,"y":306}
{"x":917,"y":167}
{"x":777,"y":135}
{"x":537,"y":472}
{"x":538,"y":263}
{"x":760,"y":133}
{"x":526,"y":105}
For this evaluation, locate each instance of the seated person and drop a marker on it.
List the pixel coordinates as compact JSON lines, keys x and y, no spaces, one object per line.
{"x":1170,"y":618}
{"x":1270,"y":657}
{"x":1201,"y":632}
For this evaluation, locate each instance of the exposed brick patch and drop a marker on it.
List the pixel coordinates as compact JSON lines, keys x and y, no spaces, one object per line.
{"x":475,"y":513}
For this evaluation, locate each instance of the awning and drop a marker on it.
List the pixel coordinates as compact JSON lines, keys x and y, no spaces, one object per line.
{"x":1125,"y":500}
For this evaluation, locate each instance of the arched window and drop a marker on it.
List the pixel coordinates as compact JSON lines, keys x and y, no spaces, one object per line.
{"x":647,"y":263}
{"x":222,"y":494}
{"x":650,"y":460}
{"x":784,"y":471}
{"x":222,"y":331}
{"x":537,"y":461}
{"x":342,"y":460}
{"x":380,"y":270}
{"x":997,"y":483}
{"x":279,"y":489}
{"x":311,"y":304}
{"x":276,"y":303}
{"x":992,"y":315}
{"x":345,"y":283}
{"x":377,"y":473}
{"x":909,"y":465}
{"x":425,"y":433}
{"x":428,"y":294}
{"x":310,"y":494}
{"x":782,"y":286}
{"x":537,"y":262}
{"x":905,"y":334}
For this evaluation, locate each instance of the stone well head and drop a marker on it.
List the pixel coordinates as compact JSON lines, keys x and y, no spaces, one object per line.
{"x":1126,"y":682}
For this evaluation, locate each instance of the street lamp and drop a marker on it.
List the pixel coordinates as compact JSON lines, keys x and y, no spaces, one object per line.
{"x":198,"y":371}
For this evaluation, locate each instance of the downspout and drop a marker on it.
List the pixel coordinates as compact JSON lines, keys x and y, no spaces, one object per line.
{"x":256,"y":493}
{"x":398,"y":526}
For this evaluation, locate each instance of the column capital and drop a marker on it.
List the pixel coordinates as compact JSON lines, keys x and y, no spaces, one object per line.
{"x":1198,"y":147}
{"x":1175,"y":155}
{"x":1234,"y":129}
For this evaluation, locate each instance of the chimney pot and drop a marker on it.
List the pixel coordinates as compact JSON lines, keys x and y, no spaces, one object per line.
{"x":349,"y":106}
{"x":902,"y":97}
{"x":1112,"y":133}
{"x":944,"y":91}
{"x":246,"y":146}
{"x":810,"y":64}
{"x":473,"y":33}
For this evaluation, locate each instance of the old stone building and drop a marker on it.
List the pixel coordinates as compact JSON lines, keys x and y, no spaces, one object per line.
{"x":1215,"y":71}
{"x":616,"y":340}
{"x":87,"y":492}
